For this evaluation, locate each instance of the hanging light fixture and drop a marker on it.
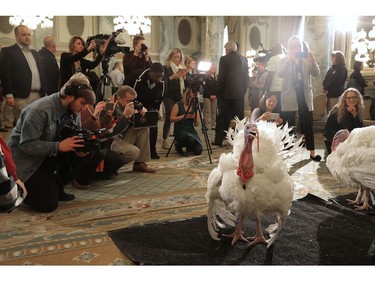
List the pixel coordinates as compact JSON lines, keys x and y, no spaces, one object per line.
{"x":364,"y":45}
{"x":32,"y":22}
{"x":133,"y":24}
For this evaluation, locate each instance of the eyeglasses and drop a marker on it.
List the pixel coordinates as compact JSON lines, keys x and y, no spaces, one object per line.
{"x":351,"y":98}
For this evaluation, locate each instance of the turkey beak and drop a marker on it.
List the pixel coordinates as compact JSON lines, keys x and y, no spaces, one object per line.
{"x":255,"y":134}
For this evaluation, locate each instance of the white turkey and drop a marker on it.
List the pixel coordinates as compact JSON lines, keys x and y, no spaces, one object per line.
{"x":252,"y":181}
{"x":352,"y":162}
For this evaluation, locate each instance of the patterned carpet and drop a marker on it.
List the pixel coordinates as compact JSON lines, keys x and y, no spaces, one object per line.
{"x":76,"y":233}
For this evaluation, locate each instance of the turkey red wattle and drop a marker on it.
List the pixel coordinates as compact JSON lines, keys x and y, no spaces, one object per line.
{"x":246,"y":162}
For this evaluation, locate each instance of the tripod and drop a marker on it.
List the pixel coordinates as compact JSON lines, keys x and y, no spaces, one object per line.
{"x":105,"y":81}
{"x":194,"y":103}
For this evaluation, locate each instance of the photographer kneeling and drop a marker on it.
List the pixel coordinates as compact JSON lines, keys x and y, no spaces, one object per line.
{"x":185,"y":116}
{"x":45,"y":161}
{"x":127,"y":143}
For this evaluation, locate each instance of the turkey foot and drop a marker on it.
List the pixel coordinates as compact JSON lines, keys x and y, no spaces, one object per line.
{"x":258,"y":238}
{"x":236,"y":236}
{"x":364,"y":207}
{"x":353,"y":202}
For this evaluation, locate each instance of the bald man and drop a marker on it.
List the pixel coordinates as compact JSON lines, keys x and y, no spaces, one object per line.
{"x":47,"y":54}
{"x":23,"y":77}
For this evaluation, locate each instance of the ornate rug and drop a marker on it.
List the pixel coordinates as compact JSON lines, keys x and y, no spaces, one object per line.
{"x":76,"y":234}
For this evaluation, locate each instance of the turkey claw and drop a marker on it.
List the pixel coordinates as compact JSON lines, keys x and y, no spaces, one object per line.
{"x":352,"y":202}
{"x":236,"y":237}
{"x":362,"y":208}
{"x":257,"y":240}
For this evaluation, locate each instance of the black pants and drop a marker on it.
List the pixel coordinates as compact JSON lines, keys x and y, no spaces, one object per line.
{"x":305,"y":120}
{"x":227,"y":110}
{"x":153,"y":139}
{"x":46,"y":185}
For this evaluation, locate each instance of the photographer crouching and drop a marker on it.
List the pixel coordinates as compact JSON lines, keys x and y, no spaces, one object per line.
{"x":45,"y":161}
{"x":125,"y":142}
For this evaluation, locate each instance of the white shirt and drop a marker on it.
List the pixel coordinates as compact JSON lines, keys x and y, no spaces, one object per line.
{"x":117,"y":77}
{"x":272,"y":65}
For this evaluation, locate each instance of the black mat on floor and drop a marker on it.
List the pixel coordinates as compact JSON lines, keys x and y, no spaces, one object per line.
{"x":341,"y":200}
{"x":315,"y":233}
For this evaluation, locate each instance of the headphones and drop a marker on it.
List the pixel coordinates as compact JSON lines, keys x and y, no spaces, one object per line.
{"x":72,"y":90}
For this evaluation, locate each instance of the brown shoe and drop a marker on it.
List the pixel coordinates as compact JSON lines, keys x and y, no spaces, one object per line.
{"x":79,"y":186}
{"x":142,"y":167}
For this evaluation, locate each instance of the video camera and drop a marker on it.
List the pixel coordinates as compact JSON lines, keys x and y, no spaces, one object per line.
{"x":115,"y":45}
{"x":194,"y":82}
{"x":90,"y":138}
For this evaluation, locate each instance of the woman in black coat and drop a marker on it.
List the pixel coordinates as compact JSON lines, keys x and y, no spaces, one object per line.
{"x":356,"y":79}
{"x":74,"y":61}
{"x":334,"y":81}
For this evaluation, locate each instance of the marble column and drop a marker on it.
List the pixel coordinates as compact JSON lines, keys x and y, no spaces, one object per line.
{"x":167,"y":36}
{"x":214,"y":39}
{"x":319,"y":34}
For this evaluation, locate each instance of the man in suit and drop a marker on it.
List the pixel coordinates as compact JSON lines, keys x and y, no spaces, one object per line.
{"x":22,"y":75}
{"x":47,"y":55}
{"x":233,"y":80}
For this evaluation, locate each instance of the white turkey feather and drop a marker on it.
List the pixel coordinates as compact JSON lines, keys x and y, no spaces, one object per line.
{"x":268,"y":191}
{"x":353,"y":161}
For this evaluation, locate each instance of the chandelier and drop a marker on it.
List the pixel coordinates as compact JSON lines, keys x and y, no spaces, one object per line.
{"x":32,"y":22}
{"x":364,"y":44}
{"x":133,"y":24}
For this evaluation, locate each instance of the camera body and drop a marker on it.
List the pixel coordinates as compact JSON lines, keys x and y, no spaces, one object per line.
{"x":194,"y":82}
{"x":90,"y":138}
{"x":112,"y":48}
{"x":144,"y":48}
{"x":137,"y":105}
{"x":301,"y":55}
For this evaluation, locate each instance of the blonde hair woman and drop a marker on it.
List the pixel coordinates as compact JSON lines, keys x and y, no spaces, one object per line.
{"x":175,"y":74}
{"x":346,"y":114}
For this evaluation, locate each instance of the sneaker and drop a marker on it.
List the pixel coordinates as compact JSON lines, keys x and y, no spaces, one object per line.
{"x":166,"y":145}
{"x":66,"y":196}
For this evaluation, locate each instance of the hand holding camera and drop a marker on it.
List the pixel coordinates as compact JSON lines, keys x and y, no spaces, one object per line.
{"x":144,"y":50}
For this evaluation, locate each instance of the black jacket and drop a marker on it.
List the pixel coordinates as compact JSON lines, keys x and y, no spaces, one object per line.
{"x":16,"y":73}
{"x":359,"y":80}
{"x":233,"y":76}
{"x":148,"y":93}
{"x":51,"y":69}
{"x":67,"y":64}
{"x":334,"y":81}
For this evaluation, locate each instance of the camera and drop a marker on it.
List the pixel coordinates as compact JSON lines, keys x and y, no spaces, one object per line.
{"x":144,"y":48}
{"x":137,"y":105}
{"x":301,"y":55}
{"x":113,"y":46}
{"x":90,"y":138}
{"x":194,"y":82}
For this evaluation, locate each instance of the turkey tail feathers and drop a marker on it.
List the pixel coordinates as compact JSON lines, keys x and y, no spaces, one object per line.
{"x":219,"y":217}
